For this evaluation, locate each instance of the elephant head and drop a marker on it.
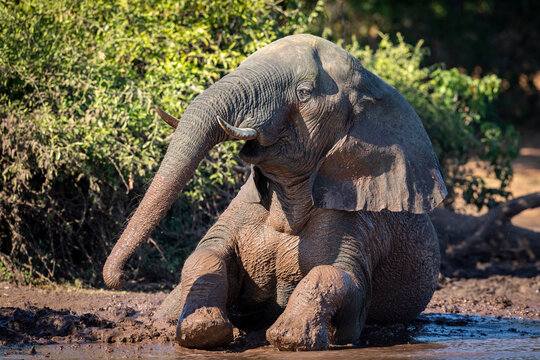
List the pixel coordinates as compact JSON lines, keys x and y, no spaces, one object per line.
{"x":308,"y":110}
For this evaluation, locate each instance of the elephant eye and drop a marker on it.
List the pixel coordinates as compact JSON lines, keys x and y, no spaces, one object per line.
{"x":304,"y":91}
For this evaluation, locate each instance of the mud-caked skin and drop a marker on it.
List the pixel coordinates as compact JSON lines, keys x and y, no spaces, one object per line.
{"x":331,"y":228}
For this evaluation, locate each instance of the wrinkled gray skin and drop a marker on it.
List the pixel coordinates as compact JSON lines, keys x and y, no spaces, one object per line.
{"x":331,"y":228}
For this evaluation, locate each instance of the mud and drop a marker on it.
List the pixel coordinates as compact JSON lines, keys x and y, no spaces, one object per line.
{"x":430,"y":336}
{"x":30,"y":315}
{"x":465,"y":317}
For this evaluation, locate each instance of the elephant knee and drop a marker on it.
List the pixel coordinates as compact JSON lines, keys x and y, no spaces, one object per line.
{"x":204,"y":272}
{"x":204,"y":261}
{"x":325,"y":283}
{"x":328,"y":275}
{"x":204,"y":280}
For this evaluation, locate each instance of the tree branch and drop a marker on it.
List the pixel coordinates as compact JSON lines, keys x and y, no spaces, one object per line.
{"x":497,"y":217}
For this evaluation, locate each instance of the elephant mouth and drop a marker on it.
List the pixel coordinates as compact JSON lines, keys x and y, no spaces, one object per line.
{"x":271,"y":144}
{"x":254,"y":153}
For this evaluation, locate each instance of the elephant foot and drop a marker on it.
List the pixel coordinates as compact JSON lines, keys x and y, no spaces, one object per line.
{"x":206,"y":327}
{"x":292,"y":333}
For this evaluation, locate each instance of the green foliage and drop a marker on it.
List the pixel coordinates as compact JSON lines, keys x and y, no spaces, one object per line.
{"x":465,"y":33}
{"x":5,"y":274}
{"x":80,"y":138}
{"x":456,"y":110}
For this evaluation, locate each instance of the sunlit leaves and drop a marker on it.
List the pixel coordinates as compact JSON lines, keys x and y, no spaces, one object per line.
{"x":80,"y":138}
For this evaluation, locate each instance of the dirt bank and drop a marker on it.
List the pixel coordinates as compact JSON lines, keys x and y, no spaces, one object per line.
{"x":526,"y":178}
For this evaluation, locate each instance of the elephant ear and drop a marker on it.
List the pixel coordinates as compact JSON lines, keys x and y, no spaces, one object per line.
{"x":385,"y":161}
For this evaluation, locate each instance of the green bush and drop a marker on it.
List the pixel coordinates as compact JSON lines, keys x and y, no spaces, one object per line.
{"x":80,"y":137}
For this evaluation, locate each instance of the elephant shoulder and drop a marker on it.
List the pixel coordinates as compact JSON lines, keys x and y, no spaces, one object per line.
{"x":233,"y":222}
{"x":241,"y":211}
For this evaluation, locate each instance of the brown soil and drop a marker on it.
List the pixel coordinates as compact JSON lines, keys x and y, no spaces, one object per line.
{"x":63,"y":315}
{"x":527,"y":179}
{"x":504,"y":296}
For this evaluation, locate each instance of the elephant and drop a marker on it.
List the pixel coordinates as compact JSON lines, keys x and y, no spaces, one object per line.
{"x":330,"y":230}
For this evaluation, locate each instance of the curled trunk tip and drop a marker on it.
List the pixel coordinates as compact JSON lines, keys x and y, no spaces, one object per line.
{"x":237,"y":133}
{"x":114,"y":277}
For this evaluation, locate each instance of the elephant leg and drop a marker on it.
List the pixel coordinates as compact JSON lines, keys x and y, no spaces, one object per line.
{"x":201,"y":300}
{"x":406,"y":280}
{"x":171,"y":307}
{"x":326,"y":298}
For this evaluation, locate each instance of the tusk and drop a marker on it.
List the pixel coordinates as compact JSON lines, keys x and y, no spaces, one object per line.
{"x":169,"y":119}
{"x":238,"y":133}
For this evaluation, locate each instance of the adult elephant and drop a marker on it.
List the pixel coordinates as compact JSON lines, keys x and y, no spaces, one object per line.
{"x":331,"y":227}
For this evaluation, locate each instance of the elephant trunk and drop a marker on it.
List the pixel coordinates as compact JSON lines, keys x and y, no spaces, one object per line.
{"x":211,"y":118}
{"x":196,"y":134}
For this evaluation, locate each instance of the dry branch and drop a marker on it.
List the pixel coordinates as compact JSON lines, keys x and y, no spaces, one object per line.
{"x":465,"y":239}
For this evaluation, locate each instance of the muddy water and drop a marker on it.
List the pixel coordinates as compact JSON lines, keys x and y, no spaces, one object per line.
{"x":430,"y":336}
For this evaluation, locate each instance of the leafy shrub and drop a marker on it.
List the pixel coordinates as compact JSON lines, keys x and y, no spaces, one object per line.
{"x":80,"y":138}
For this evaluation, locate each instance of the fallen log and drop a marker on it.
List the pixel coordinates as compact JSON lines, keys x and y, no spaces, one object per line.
{"x":466,"y":240}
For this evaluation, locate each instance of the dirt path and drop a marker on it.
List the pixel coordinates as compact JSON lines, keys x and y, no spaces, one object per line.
{"x":527,"y":178}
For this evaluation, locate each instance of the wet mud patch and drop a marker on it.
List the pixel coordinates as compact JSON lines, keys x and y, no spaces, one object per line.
{"x":430,"y":336}
{"x":435,"y":328}
{"x":430,"y":328}
{"x":497,"y":317}
{"x":44,"y":326}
